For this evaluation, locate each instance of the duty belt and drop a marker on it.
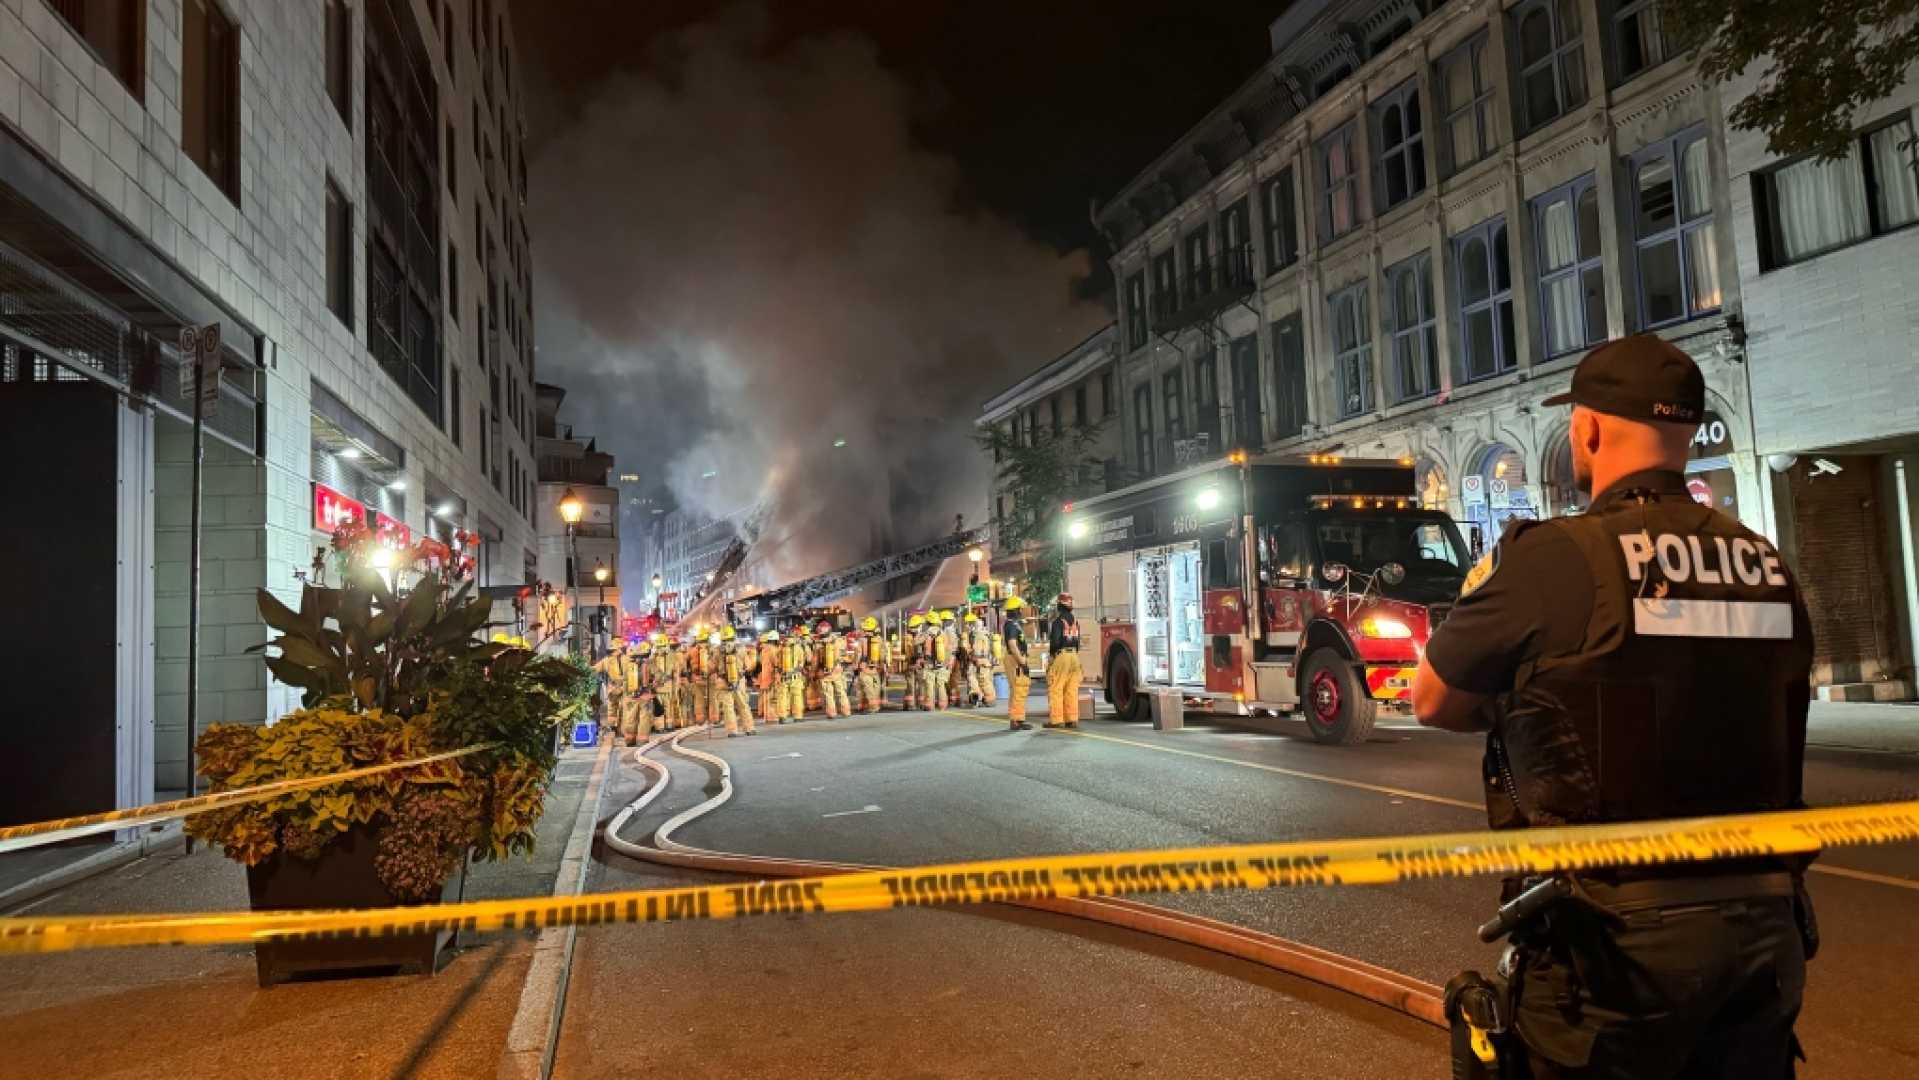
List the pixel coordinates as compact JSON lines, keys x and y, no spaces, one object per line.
{"x":1679,"y":891}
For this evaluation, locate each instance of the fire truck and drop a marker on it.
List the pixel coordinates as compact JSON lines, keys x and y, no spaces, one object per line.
{"x":1264,"y":586}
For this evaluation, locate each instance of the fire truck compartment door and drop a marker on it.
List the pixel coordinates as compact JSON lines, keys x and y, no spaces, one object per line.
{"x":1167,"y":603}
{"x":1102,"y":588}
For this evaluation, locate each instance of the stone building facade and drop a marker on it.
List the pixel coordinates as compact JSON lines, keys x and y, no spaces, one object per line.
{"x":340,"y":185}
{"x":1401,"y":233}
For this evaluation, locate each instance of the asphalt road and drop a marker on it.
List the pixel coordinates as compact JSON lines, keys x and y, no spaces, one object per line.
{"x":954,"y":786}
{"x":985,"y":992}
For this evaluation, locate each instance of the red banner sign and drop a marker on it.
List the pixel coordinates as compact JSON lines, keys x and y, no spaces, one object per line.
{"x":331,"y":510}
{"x":392,"y":531}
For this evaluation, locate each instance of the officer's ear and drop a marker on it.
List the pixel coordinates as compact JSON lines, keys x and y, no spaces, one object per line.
{"x":1584,"y":429}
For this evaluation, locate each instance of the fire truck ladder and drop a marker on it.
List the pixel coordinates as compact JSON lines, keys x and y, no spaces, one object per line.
{"x":826,"y":588}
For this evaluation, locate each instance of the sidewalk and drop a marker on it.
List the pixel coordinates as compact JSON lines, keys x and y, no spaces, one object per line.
{"x":200,"y":1011}
{"x":1888,"y":727}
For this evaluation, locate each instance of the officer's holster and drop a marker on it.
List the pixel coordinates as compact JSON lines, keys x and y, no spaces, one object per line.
{"x":1478,"y":1014}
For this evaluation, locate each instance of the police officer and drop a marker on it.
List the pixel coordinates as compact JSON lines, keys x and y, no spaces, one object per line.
{"x":1647,"y":659}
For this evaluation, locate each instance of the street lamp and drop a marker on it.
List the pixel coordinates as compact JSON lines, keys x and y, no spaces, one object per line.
{"x":571,"y":509}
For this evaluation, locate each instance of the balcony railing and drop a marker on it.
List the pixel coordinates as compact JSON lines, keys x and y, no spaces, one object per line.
{"x":1209,"y":289}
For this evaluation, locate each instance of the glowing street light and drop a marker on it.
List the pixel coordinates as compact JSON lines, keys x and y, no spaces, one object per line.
{"x":571,"y":508}
{"x":975,"y":555}
{"x":600,"y":573}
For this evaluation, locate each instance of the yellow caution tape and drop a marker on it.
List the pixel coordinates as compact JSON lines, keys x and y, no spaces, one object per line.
{"x":15,"y":837}
{"x":1375,"y":861}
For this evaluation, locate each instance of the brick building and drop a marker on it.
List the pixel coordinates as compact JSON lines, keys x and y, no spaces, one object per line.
{"x":339,"y":184}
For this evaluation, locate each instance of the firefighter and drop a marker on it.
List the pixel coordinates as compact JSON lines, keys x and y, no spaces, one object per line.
{"x":643,"y":700}
{"x":611,"y":669}
{"x":936,"y":662}
{"x":955,"y":670}
{"x":1062,"y":667}
{"x":772,"y":689}
{"x":906,"y":661}
{"x":979,"y":663}
{"x":697,"y":686}
{"x":829,"y":661}
{"x":1019,"y":675}
{"x":666,"y":680}
{"x":748,"y":658}
{"x":872,"y":666}
{"x":1647,"y":659}
{"x":729,"y":671}
{"x":793,"y":678}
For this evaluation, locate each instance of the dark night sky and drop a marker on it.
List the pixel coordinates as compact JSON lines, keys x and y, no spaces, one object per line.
{"x":783,"y":251}
{"x":1045,"y":105}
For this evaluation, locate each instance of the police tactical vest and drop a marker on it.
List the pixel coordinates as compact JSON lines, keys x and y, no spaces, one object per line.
{"x":1688,"y":694}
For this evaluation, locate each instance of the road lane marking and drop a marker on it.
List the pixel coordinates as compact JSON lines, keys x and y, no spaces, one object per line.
{"x":1261,"y":766}
{"x":848,"y":813}
{"x":1441,"y":800}
{"x":777,"y":757}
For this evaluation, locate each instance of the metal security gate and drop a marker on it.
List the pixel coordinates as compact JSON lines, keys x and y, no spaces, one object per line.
{"x":52,"y":329}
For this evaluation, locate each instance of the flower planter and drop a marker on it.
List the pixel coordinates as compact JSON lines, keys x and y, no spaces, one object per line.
{"x":342,"y":877}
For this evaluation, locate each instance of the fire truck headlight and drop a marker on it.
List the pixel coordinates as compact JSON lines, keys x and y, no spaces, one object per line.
{"x":1077,"y":530}
{"x":1379,"y":626}
{"x":1207,"y":499}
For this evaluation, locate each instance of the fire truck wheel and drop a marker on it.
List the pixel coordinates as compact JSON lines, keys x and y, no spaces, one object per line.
{"x":1337,"y":707}
{"x":1122,"y":687}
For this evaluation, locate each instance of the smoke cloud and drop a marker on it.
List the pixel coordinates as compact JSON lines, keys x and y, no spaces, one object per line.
{"x":744,"y":257}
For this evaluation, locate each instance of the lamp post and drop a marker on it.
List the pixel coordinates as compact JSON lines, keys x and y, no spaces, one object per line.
{"x":600,"y":574}
{"x":571,"y":508}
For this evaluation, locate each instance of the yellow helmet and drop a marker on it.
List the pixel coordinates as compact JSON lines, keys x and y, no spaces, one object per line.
{"x":916,"y":621}
{"x":770,"y":635}
{"x":972,"y":617}
{"x":805,"y":630}
{"x":643,"y":647}
{"x":1014,"y":603}
{"x":946,"y":616}
{"x":714,"y":638}
{"x":659,"y":638}
{"x":869,"y":624}
{"x":727,"y":633}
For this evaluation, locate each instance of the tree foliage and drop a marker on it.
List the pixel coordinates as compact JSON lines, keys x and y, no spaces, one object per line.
{"x":1823,"y":60}
{"x":1041,"y":478}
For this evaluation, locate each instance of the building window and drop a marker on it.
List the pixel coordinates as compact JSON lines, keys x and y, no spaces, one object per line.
{"x":1136,"y":311}
{"x":115,"y":31}
{"x":453,"y":281}
{"x":1338,"y":188}
{"x":1108,"y":393}
{"x":1143,"y":428}
{"x":1639,"y":37}
{"x":1552,"y":69}
{"x":452,"y":160}
{"x":1175,"y":407}
{"x":1057,"y":414}
{"x":1289,"y":378}
{"x":1409,"y":320}
{"x":1199,"y":266}
{"x":1488,"y":344}
{"x":339,"y":253}
{"x":485,"y":438}
{"x":1352,"y":349}
{"x":1079,"y":405}
{"x":1812,"y":206}
{"x":1398,"y":135}
{"x":405,"y":285}
{"x":339,"y":59}
{"x":453,"y":405}
{"x":1235,"y":247}
{"x":210,"y":94}
{"x":1572,"y":277}
{"x":1282,"y":224}
{"x":1466,"y":101}
{"x":1165,"y":287}
{"x":1206,"y":397}
{"x":1672,"y":224}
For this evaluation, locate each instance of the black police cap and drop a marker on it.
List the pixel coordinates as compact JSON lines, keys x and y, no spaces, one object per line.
{"x":1642,"y":377}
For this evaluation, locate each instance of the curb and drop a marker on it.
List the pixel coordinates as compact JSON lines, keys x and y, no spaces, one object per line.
{"x":535,"y":1035}
{"x":158,"y":838}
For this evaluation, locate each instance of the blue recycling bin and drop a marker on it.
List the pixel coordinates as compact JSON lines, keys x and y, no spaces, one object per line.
{"x":586,"y":732}
{"x":999,"y":684}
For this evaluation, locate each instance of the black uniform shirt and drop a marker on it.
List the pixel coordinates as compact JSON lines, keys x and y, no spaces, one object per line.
{"x":1015,"y":638}
{"x":1530,"y":596}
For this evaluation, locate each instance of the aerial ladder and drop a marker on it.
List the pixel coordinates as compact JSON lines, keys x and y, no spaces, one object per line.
{"x":798,"y":596}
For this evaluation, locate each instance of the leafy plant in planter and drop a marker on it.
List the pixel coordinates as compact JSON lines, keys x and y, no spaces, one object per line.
{"x":387,"y":676}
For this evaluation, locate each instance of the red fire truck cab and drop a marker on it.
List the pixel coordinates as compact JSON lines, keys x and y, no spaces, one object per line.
{"x":1274,"y":584}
